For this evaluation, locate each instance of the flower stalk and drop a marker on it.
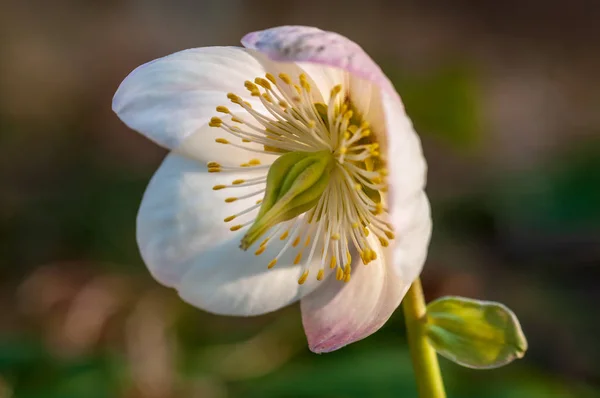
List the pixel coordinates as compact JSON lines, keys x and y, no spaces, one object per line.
{"x":423,"y":355}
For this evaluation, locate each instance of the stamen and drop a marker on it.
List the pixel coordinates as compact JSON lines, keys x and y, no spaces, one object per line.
{"x":354,"y":203}
{"x":303,"y":278}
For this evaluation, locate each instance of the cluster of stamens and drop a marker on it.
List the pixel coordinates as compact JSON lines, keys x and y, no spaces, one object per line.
{"x":349,"y":210}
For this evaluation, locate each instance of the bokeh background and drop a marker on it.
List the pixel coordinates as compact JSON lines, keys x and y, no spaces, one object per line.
{"x":506,"y":98}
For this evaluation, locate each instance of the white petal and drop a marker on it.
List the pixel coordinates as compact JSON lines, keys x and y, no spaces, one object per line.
{"x":182,"y":215}
{"x":172,"y":98}
{"x":408,"y":204}
{"x":413,"y":231}
{"x":229,"y":281}
{"x":186,"y":244}
{"x":341,"y":313}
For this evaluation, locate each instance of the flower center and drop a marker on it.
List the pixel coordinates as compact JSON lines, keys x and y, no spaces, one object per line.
{"x":349,"y":215}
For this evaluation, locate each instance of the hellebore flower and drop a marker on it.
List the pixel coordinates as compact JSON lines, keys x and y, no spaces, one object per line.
{"x":295,"y":174}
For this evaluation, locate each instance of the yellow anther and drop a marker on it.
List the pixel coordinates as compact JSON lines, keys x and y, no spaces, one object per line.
{"x":218,"y":187}
{"x":358,"y":187}
{"x":348,"y":258}
{"x":320,"y":275}
{"x":335,"y":237}
{"x":214,"y":169}
{"x":298,"y":258}
{"x":348,"y":115}
{"x":332,"y":262}
{"x":296,"y":241}
{"x":339,"y":274}
{"x":376,"y":180}
{"x":234,"y":98}
{"x":389,"y":234}
{"x":249,"y":105}
{"x":302,"y":279}
{"x":284,"y":235}
{"x":354,"y":225}
{"x":246,"y":140}
{"x":365,"y":133}
{"x":336,"y":90}
{"x":346,"y":278}
{"x":259,"y":201}
{"x":364,"y":257}
{"x":384,"y":242}
{"x":366,"y":231}
{"x":286,"y":79}
{"x":238,"y":182}
{"x":260,"y":250}
{"x":222,"y":141}
{"x":346,"y":136}
{"x":367,"y":254}
{"x":343,"y":150}
{"x":304,"y":82}
{"x":235,"y":227}
{"x":384,"y":172}
{"x":268,"y":97}
{"x":254,"y":162}
{"x":272,"y":263}
{"x":215,"y":122}
{"x":213,"y":164}
{"x":250,"y":86}
{"x":223,"y":109}
{"x":307,"y":241}
{"x":348,"y":269}
{"x":378,"y":208}
{"x":312,"y":124}
{"x":283,"y":104}
{"x":230,"y":218}
{"x":236,"y":119}
{"x":264,"y":242}
{"x":263,"y":83}
{"x":373,"y":255}
{"x":298,"y":90}
{"x":271,"y":78}
{"x":364,"y":125}
{"x":245,"y":165}
{"x":229,"y":200}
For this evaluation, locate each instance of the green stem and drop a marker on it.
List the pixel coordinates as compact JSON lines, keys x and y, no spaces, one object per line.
{"x":424,"y":357}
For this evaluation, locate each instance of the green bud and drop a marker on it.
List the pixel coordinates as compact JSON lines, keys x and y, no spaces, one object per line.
{"x":476,"y":334}
{"x":295,"y":183}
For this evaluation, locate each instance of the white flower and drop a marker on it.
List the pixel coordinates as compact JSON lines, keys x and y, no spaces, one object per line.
{"x":351,"y":251}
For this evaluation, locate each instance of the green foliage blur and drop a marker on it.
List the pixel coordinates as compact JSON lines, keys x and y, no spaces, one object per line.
{"x":509,"y":129}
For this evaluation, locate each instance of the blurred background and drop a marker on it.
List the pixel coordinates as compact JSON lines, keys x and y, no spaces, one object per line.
{"x":506,"y":98}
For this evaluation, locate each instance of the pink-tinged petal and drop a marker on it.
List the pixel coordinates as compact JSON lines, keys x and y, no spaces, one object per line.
{"x":313,"y":45}
{"x":339,"y":313}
